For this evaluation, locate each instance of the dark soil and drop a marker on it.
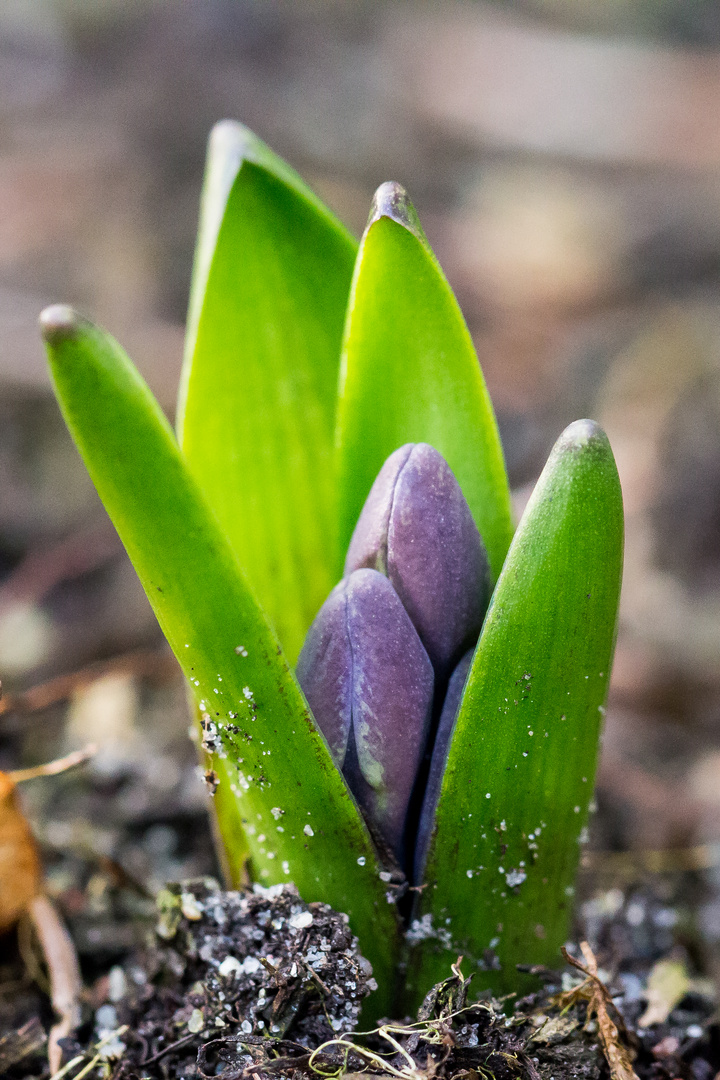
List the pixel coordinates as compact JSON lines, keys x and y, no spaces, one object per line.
{"x":231,"y":970}
{"x":260,"y":984}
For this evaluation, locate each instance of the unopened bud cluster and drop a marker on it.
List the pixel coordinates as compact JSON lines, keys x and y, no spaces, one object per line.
{"x":384,"y":664}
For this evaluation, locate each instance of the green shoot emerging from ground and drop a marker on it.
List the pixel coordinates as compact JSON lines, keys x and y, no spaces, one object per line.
{"x":333,"y":413}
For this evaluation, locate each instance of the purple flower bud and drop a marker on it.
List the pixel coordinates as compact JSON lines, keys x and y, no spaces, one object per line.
{"x":324,"y":671}
{"x":369,"y":683}
{"x":448,"y":716}
{"x":417,"y":528}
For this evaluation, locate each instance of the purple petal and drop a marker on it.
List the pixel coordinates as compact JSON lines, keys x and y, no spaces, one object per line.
{"x":391,"y":702}
{"x":324,"y":671}
{"x":369,"y":683}
{"x":417,"y":527}
{"x":448,"y":716}
{"x":369,"y":542}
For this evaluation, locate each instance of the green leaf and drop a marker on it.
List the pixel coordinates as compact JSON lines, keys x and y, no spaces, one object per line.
{"x":410,"y":374}
{"x":226,"y":813}
{"x":521,"y":766}
{"x":257,"y":403}
{"x":300,"y":821}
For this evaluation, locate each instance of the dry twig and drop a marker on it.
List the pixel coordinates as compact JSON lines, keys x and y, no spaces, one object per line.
{"x":64,"y":971}
{"x":151,"y":663}
{"x":54,"y":768}
{"x":597,"y":995}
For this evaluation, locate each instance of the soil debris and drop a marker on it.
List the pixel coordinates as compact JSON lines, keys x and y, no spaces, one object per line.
{"x":26,"y":1042}
{"x":230,"y":975}
{"x":247,"y":984}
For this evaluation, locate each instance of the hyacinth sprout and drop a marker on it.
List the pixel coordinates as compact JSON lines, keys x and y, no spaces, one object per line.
{"x":334,"y":497}
{"x":378,"y":654}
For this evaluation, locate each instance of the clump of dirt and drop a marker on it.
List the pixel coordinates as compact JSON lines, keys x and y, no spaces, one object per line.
{"x":259,"y":984}
{"x":243,"y":969}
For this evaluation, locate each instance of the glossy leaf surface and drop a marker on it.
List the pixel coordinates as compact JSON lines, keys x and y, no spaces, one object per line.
{"x":520,"y":771}
{"x":257,"y":404}
{"x":410,"y":374}
{"x":300,"y":820}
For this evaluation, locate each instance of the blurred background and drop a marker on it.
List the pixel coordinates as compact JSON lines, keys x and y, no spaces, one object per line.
{"x":564,"y":156}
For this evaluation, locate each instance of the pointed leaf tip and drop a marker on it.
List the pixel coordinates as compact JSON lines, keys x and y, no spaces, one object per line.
{"x":391,"y":200}
{"x":228,"y":144}
{"x":58,"y":323}
{"x":581,"y":433}
{"x":410,"y":373}
{"x":228,"y":129}
{"x":273,"y":270}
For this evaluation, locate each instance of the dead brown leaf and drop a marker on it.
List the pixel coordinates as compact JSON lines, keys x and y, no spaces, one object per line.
{"x":594,"y":991}
{"x":20,"y":871}
{"x":21,"y":895}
